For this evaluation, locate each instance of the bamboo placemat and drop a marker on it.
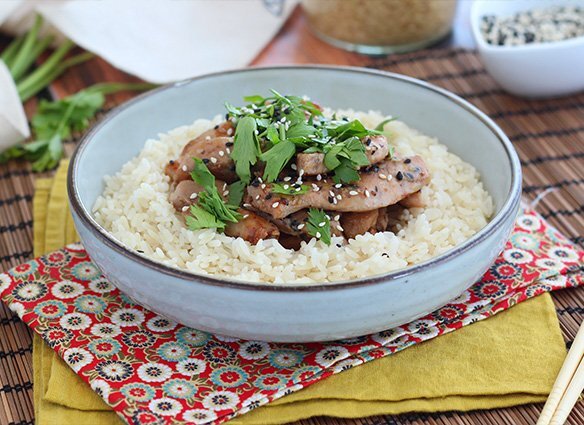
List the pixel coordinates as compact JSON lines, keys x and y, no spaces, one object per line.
{"x":548,"y":134}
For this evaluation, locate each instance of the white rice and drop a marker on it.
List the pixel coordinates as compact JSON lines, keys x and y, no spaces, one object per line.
{"x":134,"y":207}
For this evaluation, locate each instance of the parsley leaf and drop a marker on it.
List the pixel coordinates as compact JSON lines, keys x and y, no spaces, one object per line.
{"x":210,"y":202}
{"x":201,"y":219}
{"x":276,"y":159}
{"x":236,"y":191}
{"x":319,"y":225}
{"x":381,"y":125}
{"x":246,"y":147}
{"x":289,"y":189}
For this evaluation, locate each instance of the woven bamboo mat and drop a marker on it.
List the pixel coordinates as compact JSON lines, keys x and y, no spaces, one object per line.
{"x":549,"y":136}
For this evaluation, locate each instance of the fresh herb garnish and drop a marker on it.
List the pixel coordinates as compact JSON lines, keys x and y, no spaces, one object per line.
{"x":289,"y":188}
{"x":236,"y":191}
{"x":381,"y":125}
{"x":57,"y":120}
{"x":319,"y":225}
{"x":276,"y":159}
{"x":211,"y":211}
{"x":246,"y":148}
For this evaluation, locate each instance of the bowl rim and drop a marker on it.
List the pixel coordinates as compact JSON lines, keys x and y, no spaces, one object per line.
{"x":508,"y":208}
{"x":476,"y":16}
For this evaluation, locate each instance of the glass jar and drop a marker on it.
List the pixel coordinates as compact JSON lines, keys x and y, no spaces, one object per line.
{"x":380,"y":26}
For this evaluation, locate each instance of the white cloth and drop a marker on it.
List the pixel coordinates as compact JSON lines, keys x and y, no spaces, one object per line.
{"x":157,"y":40}
{"x":13,"y":124}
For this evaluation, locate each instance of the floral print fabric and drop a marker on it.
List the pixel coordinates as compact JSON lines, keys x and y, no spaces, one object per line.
{"x":151,"y":370}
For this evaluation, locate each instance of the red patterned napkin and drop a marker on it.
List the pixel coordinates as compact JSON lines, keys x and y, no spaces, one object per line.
{"x":151,"y":370}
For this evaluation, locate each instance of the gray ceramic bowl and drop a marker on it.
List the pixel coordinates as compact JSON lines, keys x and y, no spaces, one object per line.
{"x":303,"y":312}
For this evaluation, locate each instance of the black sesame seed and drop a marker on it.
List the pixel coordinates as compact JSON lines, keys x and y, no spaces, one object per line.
{"x":269,"y":196}
{"x":375,"y":168}
{"x":226,"y":116}
{"x":331,"y":199}
{"x":410,"y":176}
{"x":399,"y":175}
{"x":407,"y":161}
{"x":216,"y":127}
{"x":171,"y":162}
{"x":140,"y":251}
{"x":368,"y":142}
{"x":229,"y":144}
{"x":205,"y":160}
{"x":385,"y":254}
{"x":338,"y":245}
{"x":255,"y":182}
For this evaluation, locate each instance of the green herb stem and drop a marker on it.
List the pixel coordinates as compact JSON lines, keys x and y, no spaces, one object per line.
{"x":36,"y":51}
{"x":108,"y":88}
{"x":46,"y":70}
{"x":22,"y":59}
{"x":11,"y":51}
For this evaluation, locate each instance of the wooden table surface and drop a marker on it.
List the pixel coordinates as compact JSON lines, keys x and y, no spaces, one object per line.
{"x":293,"y":44}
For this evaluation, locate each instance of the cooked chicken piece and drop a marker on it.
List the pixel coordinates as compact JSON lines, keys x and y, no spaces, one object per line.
{"x":186,"y":191}
{"x":380,"y":185}
{"x":357,"y":223}
{"x":295,"y":223}
{"x":213,"y":147}
{"x":290,"y":242}
{"x":252,"y":228}
{"x":413,"y":201}
{"x":376,"y":149}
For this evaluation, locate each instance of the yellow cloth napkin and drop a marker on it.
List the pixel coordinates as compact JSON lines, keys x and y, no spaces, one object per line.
{"x":509,"y":359}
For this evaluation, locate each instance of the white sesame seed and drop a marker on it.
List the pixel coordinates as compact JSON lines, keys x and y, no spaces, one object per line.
{"x":367,"y":193}
{"x":193,"y":195}
{"x":226,"y":193}
{"x":213,"y":160}
{"x":337,"y":217}
{"x":318,"y":235}
{"x":331,"y":193}
{"x":335,"y":201}
{"x":300,"y":226}
{"x":260,"y":180}
{"x":339,"y":197}
{"x":227,"y":150}
{"x":246,"y":205}
{"x":298,"y":189}
{"x":287,"y":178}
{"x":283,"y":119}
{"x":224,"y":186}
{"x":338,"y":185}
{"x":208,"y":138}
{"x":340,"y":228}
{"x":293,"y":166}
{"x":353,"y":192}
{"x":382,"y":176}
{"x":319,"y":177}
{"x":275,"y":204}
{"x":257,"y":197}
{"x":230,"y":132}
{"x":256,"y":132}
{"x":301,"y":172}
{"x":286,"y":186}
{"x":185,"y":208}
{"x":245,"y":215}
{"x":221,"y":153}
{"x":263,"y":186}
{"x":328,"y":217}
{"x":321,"y":224}
{"x":389,"y":177}
{"x":184,"y":168}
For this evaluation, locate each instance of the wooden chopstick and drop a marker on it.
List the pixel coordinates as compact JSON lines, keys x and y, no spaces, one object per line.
{"x":568,"y":386}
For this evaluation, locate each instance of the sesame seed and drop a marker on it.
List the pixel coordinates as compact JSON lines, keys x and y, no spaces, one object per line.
{"x":319,"y":177}
{"x":300,"y":226}
{"x":382,"y":176}
{"x":184,"y":168}
{"x":337,"y":217}
{"x":389,"y":177}
{"x":256,"y":132}
{"x":226,"y":193}
{"x":227,"y":150}
{"x":340,"y":228}
{"x":407,"y":161}
{"x":293,"y":166}
{"x":257,"y":197}
{"x":260,"y":180}
{"x":208,"y":138}
{"x":286,"y":186}
{"x":339,"y":197}
{"x":338,"y":185}
{"x":399,"y":175}
{"x":367,"y":194}
{"x":353,"y":192}
{"x":287,"y":178}
{"x":335,"y":201}
{"x":245,"y":215}
{"x":331,"y":193}
{"x":321,"y":224}
{"x":275,"y":204}
{"x":318,"y":235}
{"x":301,"y":173}
{"x":193,"y":195}
{"x":246,"y":205}
{"x":213,"y":160}
{"x":298,"y":189}
{"x":221,"y":153}
{"x":230,"y":132}
{"x":185,"y":208}
{"x":224,"y":186}
{"x":263,"y":186}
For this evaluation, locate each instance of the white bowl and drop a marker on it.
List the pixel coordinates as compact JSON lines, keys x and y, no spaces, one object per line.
{"x":297,"y":312}
{"x":531,"y":70}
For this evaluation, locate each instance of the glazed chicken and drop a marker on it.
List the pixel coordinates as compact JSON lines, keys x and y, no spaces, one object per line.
{"x":354,"y":208}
